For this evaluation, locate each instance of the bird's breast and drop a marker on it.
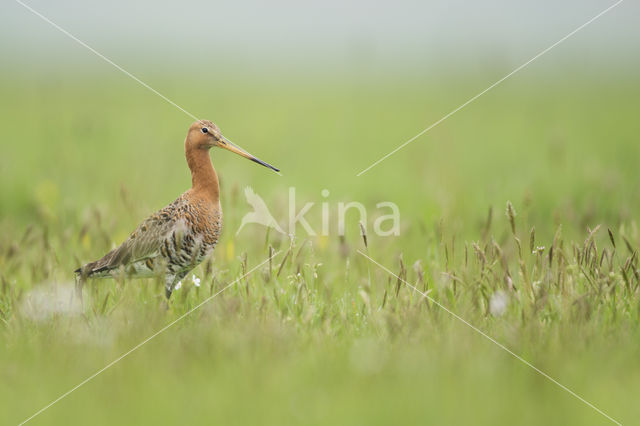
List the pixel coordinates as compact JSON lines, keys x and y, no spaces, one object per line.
{"x":193,"y":238}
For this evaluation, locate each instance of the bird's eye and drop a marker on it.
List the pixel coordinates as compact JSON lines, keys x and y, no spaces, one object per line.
{"x":205,"y":130}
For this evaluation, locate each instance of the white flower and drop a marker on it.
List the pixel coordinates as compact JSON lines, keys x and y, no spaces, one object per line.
{"x":177,"y":287}
{"x":536,"y":285}
{"x":196,"y":280}
{"x":498,"y":303}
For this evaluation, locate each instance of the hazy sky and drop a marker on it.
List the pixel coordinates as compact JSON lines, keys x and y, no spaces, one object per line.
{"x":302,"y":33}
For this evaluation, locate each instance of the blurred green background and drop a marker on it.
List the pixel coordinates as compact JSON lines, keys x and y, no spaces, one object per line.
{"x":320,"y":91}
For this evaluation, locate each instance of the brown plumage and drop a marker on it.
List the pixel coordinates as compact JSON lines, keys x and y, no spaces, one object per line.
{"x":177,"y":238}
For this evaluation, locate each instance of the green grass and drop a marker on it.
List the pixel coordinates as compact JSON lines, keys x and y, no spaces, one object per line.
{"x":321,"y":335}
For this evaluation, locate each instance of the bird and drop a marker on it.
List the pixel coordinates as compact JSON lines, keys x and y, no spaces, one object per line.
{"x":174,"y":240}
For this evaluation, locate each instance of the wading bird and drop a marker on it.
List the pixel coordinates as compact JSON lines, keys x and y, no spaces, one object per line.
{"x":177,"y":238}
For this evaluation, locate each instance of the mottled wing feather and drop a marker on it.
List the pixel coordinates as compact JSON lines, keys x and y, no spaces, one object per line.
{"x":143,"y":243}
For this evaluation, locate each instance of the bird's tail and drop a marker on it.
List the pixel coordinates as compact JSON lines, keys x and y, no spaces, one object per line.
{"x":104,"y":265}
{"x":96,"y":269}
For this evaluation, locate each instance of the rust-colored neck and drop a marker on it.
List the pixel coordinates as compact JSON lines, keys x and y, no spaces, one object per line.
{"x":204,"y":179}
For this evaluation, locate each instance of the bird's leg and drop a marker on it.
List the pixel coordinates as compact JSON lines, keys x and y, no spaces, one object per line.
{"x":80,"y":280}
{"x":169,"y":283}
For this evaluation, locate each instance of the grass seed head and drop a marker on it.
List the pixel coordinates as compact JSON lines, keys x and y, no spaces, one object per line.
{"x":363,"y":232}
{"x":532,"y":239}
{"x":613,"y":241}
{"x":511,"y":215}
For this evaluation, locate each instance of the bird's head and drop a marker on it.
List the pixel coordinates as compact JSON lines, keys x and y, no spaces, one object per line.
{"x":205,"y":135}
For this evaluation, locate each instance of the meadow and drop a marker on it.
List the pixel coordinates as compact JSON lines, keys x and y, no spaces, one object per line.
{"x":519,"y":214}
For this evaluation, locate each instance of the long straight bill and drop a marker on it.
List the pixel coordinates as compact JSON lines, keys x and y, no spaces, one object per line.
{"x":226,"y":144}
